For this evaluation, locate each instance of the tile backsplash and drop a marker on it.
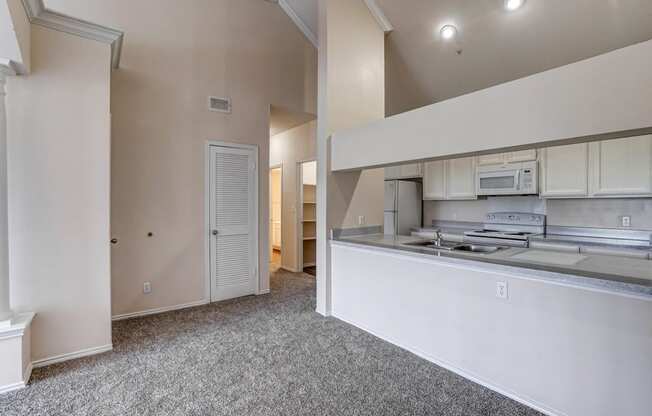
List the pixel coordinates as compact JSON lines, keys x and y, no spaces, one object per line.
{"x":599,"y":213}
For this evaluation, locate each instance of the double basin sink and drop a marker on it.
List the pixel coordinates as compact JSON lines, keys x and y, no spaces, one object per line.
{"x":451,"y":246}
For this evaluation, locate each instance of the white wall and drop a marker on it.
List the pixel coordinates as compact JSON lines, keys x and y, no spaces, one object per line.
{"x":59,"y":193}
{"x":569,"y":351}
{"x":606,"y":94}
{"x":15,"y":33}
{"x":310,"y":173}
{"x":289,"y":148}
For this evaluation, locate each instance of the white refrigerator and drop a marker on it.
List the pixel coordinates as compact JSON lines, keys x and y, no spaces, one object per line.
{"x":403,"y":206}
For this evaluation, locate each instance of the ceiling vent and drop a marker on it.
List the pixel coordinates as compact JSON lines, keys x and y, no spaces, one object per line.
{"x":219,"y":104}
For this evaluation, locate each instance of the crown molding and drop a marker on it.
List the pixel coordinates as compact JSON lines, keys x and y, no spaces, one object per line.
{"x":380,"y":17}
{"x":300,"y":23}
{"x":38,"y":14}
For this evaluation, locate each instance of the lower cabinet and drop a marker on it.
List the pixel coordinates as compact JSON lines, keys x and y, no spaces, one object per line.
{"x":450,"y":179}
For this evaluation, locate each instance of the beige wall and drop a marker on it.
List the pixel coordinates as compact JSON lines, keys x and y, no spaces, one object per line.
{"x":288,"y":149}
{"x":356,"y":96}
{"x":59,"y":183}
{"x":176,"y":54}
{"x":351,"y":93}
{"x":599,"y":213}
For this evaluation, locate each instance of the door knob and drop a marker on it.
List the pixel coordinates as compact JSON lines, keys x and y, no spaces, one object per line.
{"x":114,"y":241}
{"x":214,"y":232}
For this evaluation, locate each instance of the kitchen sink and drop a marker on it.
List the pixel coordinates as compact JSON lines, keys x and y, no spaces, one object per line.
{"x":452,"y":246}
{"x":444,"y":245}
{"x":474,"y":248}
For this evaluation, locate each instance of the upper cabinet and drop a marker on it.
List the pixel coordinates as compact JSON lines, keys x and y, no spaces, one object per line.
{"x":412,"y":170}
{"x":434,"y":180}
{"x":509,"y":157}
{"x":611,"y":168}
{"x":564,"y":171}
{"x":450,"y":179}
{"x":460,"y":178}
{"x":621,"y":167}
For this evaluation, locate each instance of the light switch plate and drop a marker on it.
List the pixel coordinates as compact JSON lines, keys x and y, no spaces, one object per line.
{"x":501,"y":290}
{"x":147,"y":288}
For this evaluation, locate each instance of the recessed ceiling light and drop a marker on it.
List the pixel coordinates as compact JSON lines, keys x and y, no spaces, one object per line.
{"x":448,"y":32}
{"x":512,"y":5}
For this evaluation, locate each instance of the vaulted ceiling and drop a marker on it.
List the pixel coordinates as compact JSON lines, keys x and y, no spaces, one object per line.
{"x":493,"y":46}
{"x":498,"y":46}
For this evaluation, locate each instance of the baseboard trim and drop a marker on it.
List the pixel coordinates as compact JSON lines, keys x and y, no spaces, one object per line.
{"x":156,"y":311}
{"x":12,"y":387}
{"x":461,"y":372}
{"x":71,"y":356}
{"x":263,"y":292}
{"x":27,"y":373}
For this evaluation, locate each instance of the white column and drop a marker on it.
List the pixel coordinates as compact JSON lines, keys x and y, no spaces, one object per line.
{"x":5,"y":311}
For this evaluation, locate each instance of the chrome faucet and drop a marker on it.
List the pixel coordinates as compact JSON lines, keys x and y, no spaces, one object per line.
{"x":438,"y":239}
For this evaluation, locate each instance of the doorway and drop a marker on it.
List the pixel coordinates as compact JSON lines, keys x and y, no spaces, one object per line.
{"x":276,"y":216}
{"x":232,"y":207}
{"x":307,"y":174}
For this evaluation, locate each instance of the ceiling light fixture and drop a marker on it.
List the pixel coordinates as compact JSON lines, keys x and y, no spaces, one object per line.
{"x":448,"y":32}
{"x":512,"y":5}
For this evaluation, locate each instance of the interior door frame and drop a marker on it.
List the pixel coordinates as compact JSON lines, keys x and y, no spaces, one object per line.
{"x":207,"y":212}
{"x":271,"y":168}
{"x":299,"y":225}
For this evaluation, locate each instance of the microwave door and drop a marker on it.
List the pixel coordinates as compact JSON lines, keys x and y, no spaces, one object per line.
{"x":498,"y":183}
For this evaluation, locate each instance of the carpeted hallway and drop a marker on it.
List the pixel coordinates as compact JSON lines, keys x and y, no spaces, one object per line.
{"x":267,"y":355}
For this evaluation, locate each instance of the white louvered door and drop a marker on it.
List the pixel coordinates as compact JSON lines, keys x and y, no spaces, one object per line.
{"x":233,"y":245}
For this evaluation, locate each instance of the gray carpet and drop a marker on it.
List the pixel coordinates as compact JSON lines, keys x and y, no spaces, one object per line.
{"x":267,"y":355}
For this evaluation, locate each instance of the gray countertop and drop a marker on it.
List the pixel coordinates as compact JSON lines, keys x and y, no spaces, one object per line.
{"x":604,"y":272}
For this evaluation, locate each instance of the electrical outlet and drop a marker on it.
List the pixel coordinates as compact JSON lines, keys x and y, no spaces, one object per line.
{"x":147,"y":288}
{"x":501,"y":290}
{"x":361,"y":220}
{"x":626,"y":221}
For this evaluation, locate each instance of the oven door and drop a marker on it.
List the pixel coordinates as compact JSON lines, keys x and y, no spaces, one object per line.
{"x":501,"y":182}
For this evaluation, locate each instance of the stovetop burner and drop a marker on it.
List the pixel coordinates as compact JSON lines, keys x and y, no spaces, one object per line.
{"x":511,"y":228}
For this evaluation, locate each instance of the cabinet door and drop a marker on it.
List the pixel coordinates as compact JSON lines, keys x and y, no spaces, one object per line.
{"x":460,"y":178}
{"x":621,"y":167}
{"x":393,"y":172}
{"x":564,"y":171}
{"x":434,"y":180}
{"x":412,"y":170}
{"x":521,"y":156}
{"x":494,"y":159}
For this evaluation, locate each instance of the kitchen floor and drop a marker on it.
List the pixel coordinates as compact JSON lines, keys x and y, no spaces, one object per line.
{"x":264,"y":355}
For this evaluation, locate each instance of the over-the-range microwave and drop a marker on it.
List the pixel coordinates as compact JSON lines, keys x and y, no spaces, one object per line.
{"x":508,"y":179}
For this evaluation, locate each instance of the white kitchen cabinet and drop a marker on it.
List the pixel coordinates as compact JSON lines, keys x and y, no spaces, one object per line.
{"x":565,"y":171}
{"x":521,"y":156}
{"x":493,"y":159}
{"x":450,"y":179}
{"x":434,"y":180}
{"x":621,"y":167}
{"x":509,"y":157}
{"x":460,"y":178}
{"x":411,"y":170}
